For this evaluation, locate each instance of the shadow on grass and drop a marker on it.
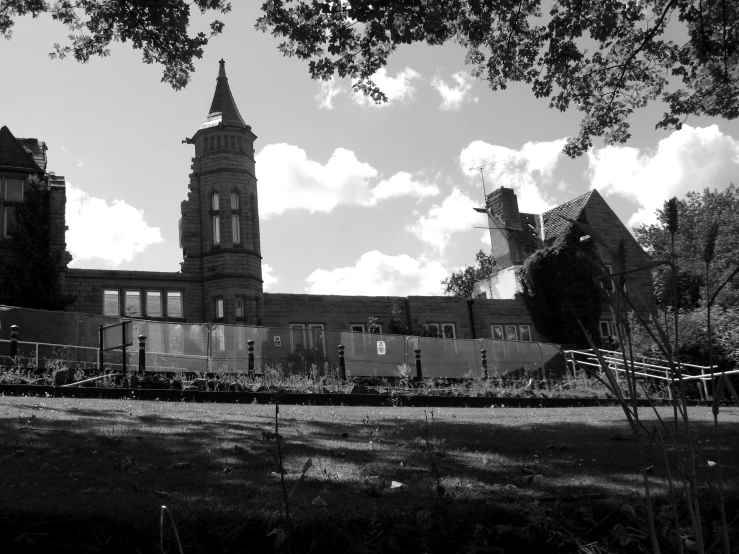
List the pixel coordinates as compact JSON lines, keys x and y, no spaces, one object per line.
{"x":123,"y":459}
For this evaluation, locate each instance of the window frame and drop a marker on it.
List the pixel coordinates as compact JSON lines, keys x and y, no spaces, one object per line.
{"x":8,"y":181}
{"x":133,"y":293}
{"x":499,"y":327}
{"x":607,"y":284}
{"x":521,"y":333}
{"x":509,"y":327}
{"x":117,"y":301}
{"x":235,"y":195}
{"x":609,"y":325}
{"x":351,"y":325}
{"x":235,"y":229}
{"x":175,"y":294}
{"x":147,"y":303}
{"x":242,"y":299}
{"x":218,"y":305}
{"x":216,"y":219}
{"x":8,"y":215}
{"x":454,"y":331}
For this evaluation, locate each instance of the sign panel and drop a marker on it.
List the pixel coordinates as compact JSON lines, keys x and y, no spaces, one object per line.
{"x":381,"y":347}
{"x":118,"y":335}
{"x":278,"y":340}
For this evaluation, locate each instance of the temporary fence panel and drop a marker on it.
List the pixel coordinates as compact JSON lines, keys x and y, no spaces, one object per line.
{"x":450,"y":358}
{"x":511,"y":357}
{"x":45,"y":326}
{"x":49,"y":356}
{"x":553,"y":360}
{"x":373,"y":354}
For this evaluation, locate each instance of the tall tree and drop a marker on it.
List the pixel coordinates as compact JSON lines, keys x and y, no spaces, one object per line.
{"x":159,"y":28}
{"x":697,"y":212}
{"x":460,"y":284}
{"x":605,"y":57}
{"x":34,"y":270}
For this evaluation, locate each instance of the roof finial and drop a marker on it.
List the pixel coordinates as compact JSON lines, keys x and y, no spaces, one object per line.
{"x":222,"y":69}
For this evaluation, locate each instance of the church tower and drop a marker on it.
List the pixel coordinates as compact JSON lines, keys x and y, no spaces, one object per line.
{"x":219,"y":228}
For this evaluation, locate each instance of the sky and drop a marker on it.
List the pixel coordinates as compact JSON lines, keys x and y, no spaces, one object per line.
{"x":354,"y":198}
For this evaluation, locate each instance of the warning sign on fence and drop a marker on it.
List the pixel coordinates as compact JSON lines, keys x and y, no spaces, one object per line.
{"x":381,"y":347}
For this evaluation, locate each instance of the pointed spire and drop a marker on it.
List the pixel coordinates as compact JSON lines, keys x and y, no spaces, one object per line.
{"x":223,"y":108}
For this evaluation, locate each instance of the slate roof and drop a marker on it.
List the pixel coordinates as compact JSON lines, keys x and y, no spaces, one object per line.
{"x":14,"y":154}
{"x":223,"y":107}
{"x":554,"y":224}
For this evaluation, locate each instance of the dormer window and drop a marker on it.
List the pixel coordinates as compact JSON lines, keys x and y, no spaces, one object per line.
{"x":234,"y":200}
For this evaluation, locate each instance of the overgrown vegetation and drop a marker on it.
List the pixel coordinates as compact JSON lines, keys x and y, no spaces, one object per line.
{"x":461,"y":284}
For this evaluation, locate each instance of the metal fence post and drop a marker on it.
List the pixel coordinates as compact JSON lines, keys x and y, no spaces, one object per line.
{"x":250,"y":344}
{"x":13,"y":341}
{"x":342,"y":363}
{"x":419,"y":371}
{"x":484,"y":356}
{"x":142,"y":353}
{"x":101,"y":364}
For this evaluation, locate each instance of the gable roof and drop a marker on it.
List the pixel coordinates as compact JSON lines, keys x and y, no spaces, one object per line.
{"x":223,"y":107}
{"x":554,"y":223}
{"x":15,"y":155}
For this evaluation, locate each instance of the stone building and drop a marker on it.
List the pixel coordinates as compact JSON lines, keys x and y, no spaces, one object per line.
{"x":220,"y":280}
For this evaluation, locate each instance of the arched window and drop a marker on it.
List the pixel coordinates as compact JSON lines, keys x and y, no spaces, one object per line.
{"x":216,"y":219}
{"x":215,"y":202}
{"x":234,"y":200}
{"x":235,"y":228}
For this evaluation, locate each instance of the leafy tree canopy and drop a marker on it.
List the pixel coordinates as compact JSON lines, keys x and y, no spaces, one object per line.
{"x":460,"y":284}
{"x":34,"y":270}
{"x":696,"y":213}
{"x":159,"y":28}
{"x":605,"y":57}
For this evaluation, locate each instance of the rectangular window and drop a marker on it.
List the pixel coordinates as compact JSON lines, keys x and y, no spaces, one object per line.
{"x":448,"y":331}
{"x":432,"y":330}
{"x":174,"y":304}
{"x":316,"y":339}
{"x":606,"y":328}
{"x":511,"y":333}
{"x":154,"y":303}
{"x":110,"y":302}
{"x":297,"y":338}
{"x":356,"y":327}
{"x":133,"y":303}
{"x":219,"y":308}
{"x":607,"y":283}
{"x":525,"y":333}
{"x":216,"y":229}
{"x":239,"y":306}
{"x":215,"y":202}
{"x":236,"y":229}
{"x":234,"y":200}
{"x":10,"y":226}
{"x":497,"y":332}
{"x":13,"y":190}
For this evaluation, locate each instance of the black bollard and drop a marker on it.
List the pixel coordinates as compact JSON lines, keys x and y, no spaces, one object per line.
{"x":484,"y":356}
{"x":250,"y":344}
{"x":419,"y":371}
{"x":342,"y":363}
{"x":142,"y":354}
{"x":13,"y":341}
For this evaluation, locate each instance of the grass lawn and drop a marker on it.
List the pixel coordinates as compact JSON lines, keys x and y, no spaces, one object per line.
{"x":90,"y":475}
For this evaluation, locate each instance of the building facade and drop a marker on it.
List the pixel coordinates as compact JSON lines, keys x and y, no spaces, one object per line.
{"x":220,"y":280}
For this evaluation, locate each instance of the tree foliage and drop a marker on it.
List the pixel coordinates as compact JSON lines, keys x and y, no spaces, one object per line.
{"x":697,"y":213}
{"x":607,"y":58}
{"x":159,"y":28}
{"x":461,"y":284}
{"x":33,"y":271}
{"x":559,"y":287}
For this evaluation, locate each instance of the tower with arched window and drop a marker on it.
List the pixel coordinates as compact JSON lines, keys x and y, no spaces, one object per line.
{"x":219,"y":229}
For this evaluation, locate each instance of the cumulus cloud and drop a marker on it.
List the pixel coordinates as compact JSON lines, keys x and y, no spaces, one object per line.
{"x":397,"y":89}
{"x":288,"y":180}
{"x":114,"y":232}
{"x":377,"y":274}
{"x":529,"y":171}
{"x":329,"y":90}
{"x":453,"y":215}
{"x":267,"y":277}
{"x":453,"y":96}
{"x":690,"y":159}
{"x":401,"y":184}
{"x":64,"y":150}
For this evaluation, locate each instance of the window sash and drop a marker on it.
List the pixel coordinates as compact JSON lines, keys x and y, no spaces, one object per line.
{"x":496,"y":332}
{"x":216,"y":229}
{"x":215,"y":202}
{"x":448,"y":331}
{"x":236,"y":229}
{"x":239,"y":306}
{"x":10,"y":225}
{"x":525,"y":333}
{"x":133,"y":303}
{"x":13,"y":190}
{"x":219,"y":308}
{"x":511,"y":333}
{"x":234,"y":200}
{"x":154,"y":303}
{"x":174,"y":304}
{"x":110,"y":302}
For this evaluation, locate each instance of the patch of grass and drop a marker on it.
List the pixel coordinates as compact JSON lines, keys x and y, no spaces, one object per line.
{"x":212,"y":466}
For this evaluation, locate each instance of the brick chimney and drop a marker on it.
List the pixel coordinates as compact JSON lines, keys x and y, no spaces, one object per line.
{"x":504,"y":205}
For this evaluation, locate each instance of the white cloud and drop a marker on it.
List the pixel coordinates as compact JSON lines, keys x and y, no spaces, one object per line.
{"x":688,"y":160}
{"x":453,"y":215}
{"x":377,"y":274}
{"x":397,"y":89}
{"x":81,"y":163}
{"x":267,"y":277}
{"x":64,"y":150}
{"x":113,"y":232}
{"x":288,"y":180}
{"x":528,"y":171}
{"x":325,"y":96}
{"x":401,"y":184}
{"x":453,"y":96}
